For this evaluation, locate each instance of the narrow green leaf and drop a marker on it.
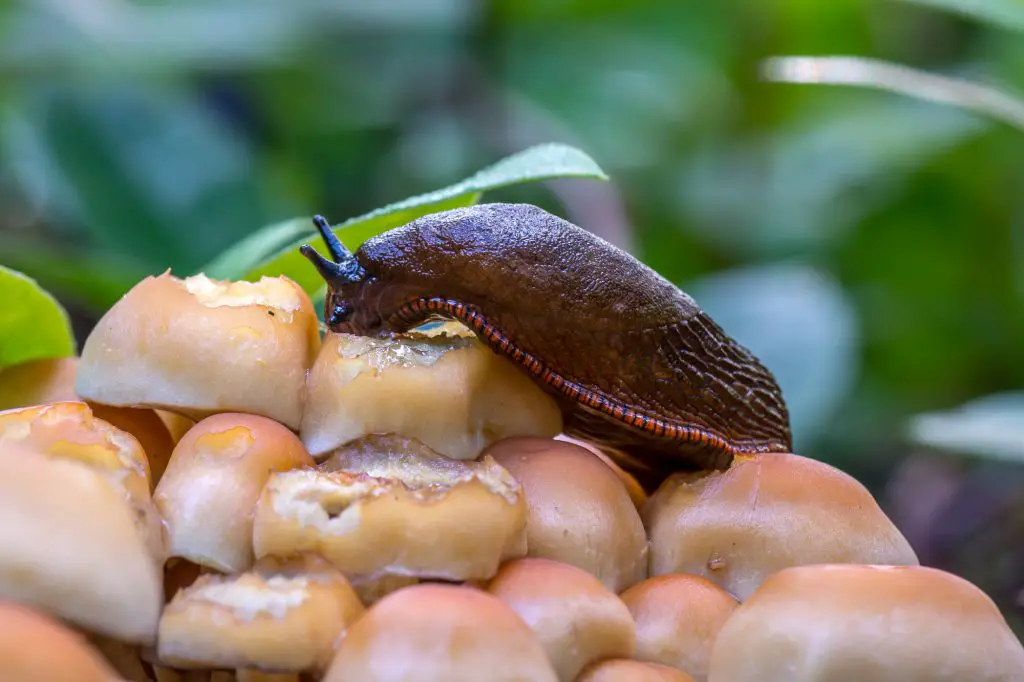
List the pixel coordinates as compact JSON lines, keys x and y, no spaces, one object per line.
{"x":33,"y":325}
{"x":990,"y":427}
{"x":1006,"y":14}
{"x":542,"y":162}
{"x":239,"y":259}
{"x":903,"y":80}
{"x":288,"y":261}
{"x":262,"y":253}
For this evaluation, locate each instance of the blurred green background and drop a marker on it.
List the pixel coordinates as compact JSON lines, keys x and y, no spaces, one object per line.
{"x":867,"y":245}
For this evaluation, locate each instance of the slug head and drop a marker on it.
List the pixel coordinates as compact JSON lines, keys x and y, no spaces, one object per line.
{"x":345,"y":278}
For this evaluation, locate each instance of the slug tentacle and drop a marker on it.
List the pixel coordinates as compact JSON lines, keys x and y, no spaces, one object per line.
{"x":637,"y":367}
{"x":344,"y":267}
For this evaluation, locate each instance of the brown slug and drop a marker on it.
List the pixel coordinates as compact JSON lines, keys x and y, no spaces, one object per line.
{"x":634,"y":363}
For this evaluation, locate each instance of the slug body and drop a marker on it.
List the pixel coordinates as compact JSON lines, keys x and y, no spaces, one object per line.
{"x":635,"y":364}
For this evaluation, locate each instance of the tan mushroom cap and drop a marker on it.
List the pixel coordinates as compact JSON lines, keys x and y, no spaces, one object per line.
{"x":35,"y":648}
{"x":852,"y":623}
{"x":633,"y":487}
{"x":38,"y":381}
{"x":677,"y":619}
{"x":440,"y":633}
{"x":396,"y":508}
{"x":763,"y":514}
{"x":624,"y":670}
{"x":282,"y":616}
{"x":72,"y":431}
{"x":198,"y":346}
{"x":208,"y":494}
{"x":576,"y":618}
{"x":579,"y":511}
{"x":53,"y":380}
{"x":69,"y":546}
{"x":455,"y":395}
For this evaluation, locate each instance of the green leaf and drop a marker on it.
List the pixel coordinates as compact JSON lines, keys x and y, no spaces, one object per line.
{"x":239,"y":258}
{"x":288,"y":261}
{"x":990,"y":427}
{"x":896,"y":78}
{"x":33,"y":325}
{"x":262,"y":254}
{"x":1007,"y":14}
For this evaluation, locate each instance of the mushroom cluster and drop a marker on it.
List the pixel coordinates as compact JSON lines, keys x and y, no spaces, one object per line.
{"x":212,"y":491}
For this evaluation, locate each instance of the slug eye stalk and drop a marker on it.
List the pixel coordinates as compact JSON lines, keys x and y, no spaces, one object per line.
{"x":344,"y":268}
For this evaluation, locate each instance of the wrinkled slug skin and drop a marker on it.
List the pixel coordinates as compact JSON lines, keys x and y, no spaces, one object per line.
{"x":634,"y":362}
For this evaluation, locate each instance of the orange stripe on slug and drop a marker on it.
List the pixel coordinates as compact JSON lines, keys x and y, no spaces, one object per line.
{"x":571,"y":390}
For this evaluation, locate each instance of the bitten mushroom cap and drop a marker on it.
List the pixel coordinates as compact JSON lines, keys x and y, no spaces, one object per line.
{"x":763,"y":514}
{"x":579,"y":511}
{"x":69,"y":546}
{"x":164,"y":344}
{"x":623,"y":670}
{"x":208,"y":494}
{"x":576,"y":618}
{"x":677,"y":620}
{"x":440,"y":633}
{"x":456,"y":395}
{"x":282,"y":616}
{"x":70,"y":430}
{"x":35,"y":648}
{"x":851,"y":623}
{"x":396,"y":508}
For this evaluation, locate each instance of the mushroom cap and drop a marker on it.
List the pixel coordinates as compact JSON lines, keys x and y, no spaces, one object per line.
{"x":70,"y":430}
{"x":281,"y":616}
{"x":208,"y":494}
{"x":38,"y":381}
{"x":579,"y":511}
{"x":765,"y":513}
{"x":851,"y":623}
{"x":396,"y":508}
{"x":69,"y":546}
{"x":633,"y":487}
{"x":440,"y":633}
{"x":164,"y":344}
{"x":35,"y":647}
{"x":456,"y":395}
{"x":625,"y":670}
{"x":576,"y":618}
{"x":677,"y":620}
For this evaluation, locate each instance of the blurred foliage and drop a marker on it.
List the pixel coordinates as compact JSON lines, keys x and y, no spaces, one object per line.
{"x":869,"y":245}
